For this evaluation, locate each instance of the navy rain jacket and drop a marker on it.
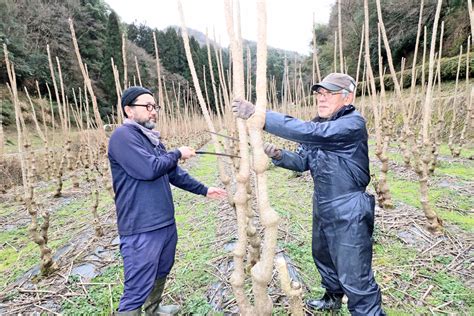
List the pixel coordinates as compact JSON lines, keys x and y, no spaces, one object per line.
{"x":336,"y":153}
{"x":141,"y":175}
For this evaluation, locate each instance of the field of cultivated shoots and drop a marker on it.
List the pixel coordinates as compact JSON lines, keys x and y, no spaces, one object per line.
{"x":251,"y":253}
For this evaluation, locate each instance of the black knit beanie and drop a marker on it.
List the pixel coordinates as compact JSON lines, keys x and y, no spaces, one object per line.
{"x":130,"y":94}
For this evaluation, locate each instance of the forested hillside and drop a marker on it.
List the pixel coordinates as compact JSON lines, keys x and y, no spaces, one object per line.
{"x":27,"y":27}
{"x":401,"y":21}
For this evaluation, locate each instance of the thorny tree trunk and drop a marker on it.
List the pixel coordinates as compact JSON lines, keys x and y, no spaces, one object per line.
{"x":105,"y":172}
{"x":59,"y":175}
{"x":55,"y":85}
{"x":361,"y":47}
{"x":88,"y":83}
{"x":434,"y":222}
{"x":436,"y":139}
{"x":407,"y":134}
{"x":239,"y":93}
{"x":471,"y":18}
{"x":455,"y":107}
{"x":292,"y":289}
{"x":91,"y":179}
{"x":2,"y":137}
{"x":66,"y":123}
{"x":220,"y":113}
{"x":39,"y":131}
{"x":335,"y":51}
{"x":339,"y":30}
{"x":249,"y":75}
{"x":67,"y":130}
{"x":262,"y":271}
{"x":50,"y":154}
{"x":138,"y":72}
{"x":316,"y":71}
{"x":77,"y":114}
{"x":39,"y":234}
{"x":160,"y":85}
{"x":124,"y":60}
{"x":222,"y":173}
{"x":118,"y":91}
{"x":383,"y":192}
{"x":398,"y":88}
{"x":95,"y":204}
{"x":373,"y":99}
{"x":65,"y":153}
{"x":469,"y":95}
{"x":284,"y":86}
{"x":241,"y":200}
{"x":252,"y":234}
{"x":222,"y":81}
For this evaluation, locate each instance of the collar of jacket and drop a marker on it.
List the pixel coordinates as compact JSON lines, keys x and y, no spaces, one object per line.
{"x":342,"y":111}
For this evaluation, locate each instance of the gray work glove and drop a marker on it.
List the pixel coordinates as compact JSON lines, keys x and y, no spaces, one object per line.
{"x":271,"y":151}
{"x":243,"y":109}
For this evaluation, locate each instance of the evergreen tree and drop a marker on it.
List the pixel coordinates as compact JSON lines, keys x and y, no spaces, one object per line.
{"x":112,"y":49}
{"x":142,"y":36}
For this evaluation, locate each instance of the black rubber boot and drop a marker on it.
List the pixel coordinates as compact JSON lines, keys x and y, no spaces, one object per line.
{"x":329,"y":302}
{"x":135,"y":312}
{"x":152,"y":303}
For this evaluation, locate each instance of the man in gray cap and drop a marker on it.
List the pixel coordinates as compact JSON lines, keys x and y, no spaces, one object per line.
{"x":333,"y":146}
{"x":142,"y":171}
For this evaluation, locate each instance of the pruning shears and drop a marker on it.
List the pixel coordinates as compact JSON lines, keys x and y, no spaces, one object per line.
{"x":200,"y":152}
{"x":225,"y":136}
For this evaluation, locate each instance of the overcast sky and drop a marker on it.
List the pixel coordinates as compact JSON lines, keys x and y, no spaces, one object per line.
{"x":289,"y":21}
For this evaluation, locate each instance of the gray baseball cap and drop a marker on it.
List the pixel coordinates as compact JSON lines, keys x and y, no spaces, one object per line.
{"x":335,"y":82}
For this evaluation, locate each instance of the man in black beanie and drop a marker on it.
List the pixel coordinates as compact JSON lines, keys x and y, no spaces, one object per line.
{"x":142,"y":171}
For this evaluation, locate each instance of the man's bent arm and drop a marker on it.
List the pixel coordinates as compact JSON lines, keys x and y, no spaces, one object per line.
{"x":181,"y":179}
{"x":129,"y":152}
{"x":296,"y":161}
{"x":344,"y":129}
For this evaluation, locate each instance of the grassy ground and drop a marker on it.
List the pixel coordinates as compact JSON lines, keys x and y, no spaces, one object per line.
{"x":197,"y":222}
{"x":448,"y":192}
{"x":413,"y":282}
{"x":68,"y":215}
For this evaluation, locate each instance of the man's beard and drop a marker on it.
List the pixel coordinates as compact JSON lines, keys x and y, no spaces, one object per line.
{"x":147,"y":124}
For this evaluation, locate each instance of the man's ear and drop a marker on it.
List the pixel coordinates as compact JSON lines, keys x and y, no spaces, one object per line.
{"x":348,"y":100}
{"x":129,"y":111}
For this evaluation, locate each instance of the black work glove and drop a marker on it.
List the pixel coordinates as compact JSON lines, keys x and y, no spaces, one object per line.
{"x":271,"y":151}
{"x":243,"y":109}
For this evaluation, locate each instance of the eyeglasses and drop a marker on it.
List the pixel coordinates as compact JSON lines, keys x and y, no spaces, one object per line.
{"x":149,"y":106}
{"x":327,"y":94}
